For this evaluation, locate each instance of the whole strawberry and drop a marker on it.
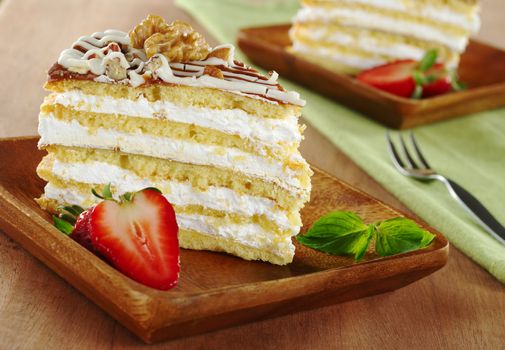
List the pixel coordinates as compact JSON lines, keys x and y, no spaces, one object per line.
{"x":81,"y":230}
{"x":137,"y":234}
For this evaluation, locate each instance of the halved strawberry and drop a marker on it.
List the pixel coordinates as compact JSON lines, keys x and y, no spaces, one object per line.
{"x":395,"y":78}
{"x":410,"y":78}
{"x":138,"y":235}
{"x":73,"y":220}
{"x":441,"y":81}
{"x":80,"y":233}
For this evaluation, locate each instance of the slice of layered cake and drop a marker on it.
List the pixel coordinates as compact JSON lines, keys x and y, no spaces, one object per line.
{"x":158,"y":107}
{"x":352,"y":35}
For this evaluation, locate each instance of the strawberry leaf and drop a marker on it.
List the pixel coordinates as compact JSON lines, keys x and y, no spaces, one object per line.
{"x":78,"y":208}
{"x":126,"y":197}
{"x":63,"y":225}
{"x":430,"y":78}
{"x":73,"y":210}
{"x":95,"y":193}
{"x":107,"y":194}
{"x":429,"y":59}
{"x":418,"y":77}
{"x":456,"y":84}
{"x":68,"y":218}
{"x":418,"y":92}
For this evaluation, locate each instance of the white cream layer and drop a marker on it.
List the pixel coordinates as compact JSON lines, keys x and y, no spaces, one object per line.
{"x":469,"y":21}
{"x":54,"y":131}
{"x":359,"y":62}
{"x":177,"y":193}
{"x":363,"y":42}
{"x":230,"y":121}
{"x":347,"y":59}
{"x":376,"y":21}
{"x":251,"y":235}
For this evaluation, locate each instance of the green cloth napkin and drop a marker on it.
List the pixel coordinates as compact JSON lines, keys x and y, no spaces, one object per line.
{"x":469,"y":150}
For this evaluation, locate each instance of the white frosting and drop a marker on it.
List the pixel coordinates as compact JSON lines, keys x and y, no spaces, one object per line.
{"x":251,"y":235}
{"x":230,"y":121}
{"x":96,"y":45}
{"x":54,"y":131}
{"x":178,"y":193}
{"x":363,"y":19}
{"x":166,"y":74}
{"x":92,"y":54}
{"x":469,"y":21}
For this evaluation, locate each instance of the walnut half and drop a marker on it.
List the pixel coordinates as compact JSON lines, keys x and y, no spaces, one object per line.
{"x":178,"y":42}
{"x":149,"y":26}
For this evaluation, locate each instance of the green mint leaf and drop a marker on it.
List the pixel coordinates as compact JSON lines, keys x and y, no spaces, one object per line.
{"x":428,"y":238}
{"x":429,"y":59}
{"x":362,"y":246}
{"x":63,"y":225}
{"x":339,"y":233}
{"x":400,"y":235}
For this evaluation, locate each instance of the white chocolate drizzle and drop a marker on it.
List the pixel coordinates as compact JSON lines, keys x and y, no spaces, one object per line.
{"x":92,"y":54}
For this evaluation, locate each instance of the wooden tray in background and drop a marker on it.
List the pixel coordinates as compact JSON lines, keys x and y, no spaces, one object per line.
{"x":482,"y":68}
{"x":215,"y":290}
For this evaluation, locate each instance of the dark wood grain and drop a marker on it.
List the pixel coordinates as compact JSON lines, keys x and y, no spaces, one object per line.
{"x":215,"y":290}
{"x":482,"y":68}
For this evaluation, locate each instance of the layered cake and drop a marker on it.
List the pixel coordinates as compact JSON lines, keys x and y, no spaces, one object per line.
{"x":158,"y":107}
{"x":352,"y":35}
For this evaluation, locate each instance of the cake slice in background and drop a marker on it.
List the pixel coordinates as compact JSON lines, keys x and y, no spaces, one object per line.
{"x":349,"y":36}
{"x":158,"y":107}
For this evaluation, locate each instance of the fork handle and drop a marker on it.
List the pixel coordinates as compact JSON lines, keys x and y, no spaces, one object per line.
{"x":476,"y":209}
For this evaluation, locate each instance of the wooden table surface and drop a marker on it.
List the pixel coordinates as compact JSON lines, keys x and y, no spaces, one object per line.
{"x":458,"y":307}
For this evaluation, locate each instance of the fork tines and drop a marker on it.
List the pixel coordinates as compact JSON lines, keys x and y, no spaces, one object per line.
{"x":408,"y":159}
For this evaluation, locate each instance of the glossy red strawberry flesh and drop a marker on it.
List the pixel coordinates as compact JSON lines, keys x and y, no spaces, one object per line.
{"x":80,"y":234}
{"x":395,"y":78}
{"x":442,"y":84}
{"x":139,"y":238}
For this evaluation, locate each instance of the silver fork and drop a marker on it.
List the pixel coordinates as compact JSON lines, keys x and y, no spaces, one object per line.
{"x":421,"y":170}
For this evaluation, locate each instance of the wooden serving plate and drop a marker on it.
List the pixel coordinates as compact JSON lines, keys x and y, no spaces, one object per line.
{"x":482,"y":68}
{"x":215,"y":290}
